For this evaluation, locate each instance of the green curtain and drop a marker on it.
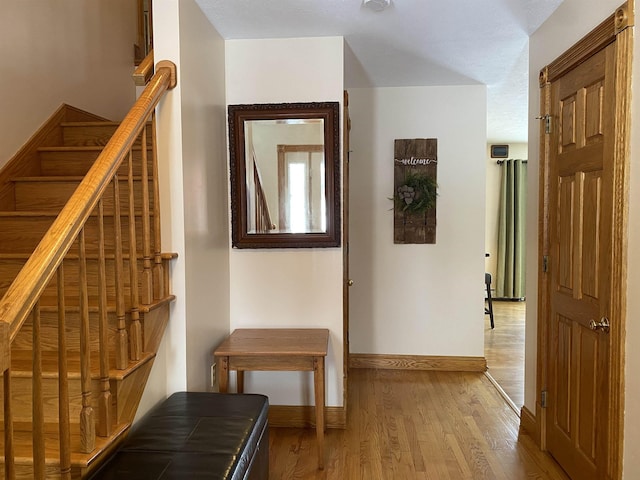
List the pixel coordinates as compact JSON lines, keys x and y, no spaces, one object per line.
{"x":510,"y":274}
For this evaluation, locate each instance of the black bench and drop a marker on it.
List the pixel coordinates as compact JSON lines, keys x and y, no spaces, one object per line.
{"x":196,"y":435}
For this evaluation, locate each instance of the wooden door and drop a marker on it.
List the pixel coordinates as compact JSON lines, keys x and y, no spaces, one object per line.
{"x":581,"y":173}
{"x":585,"y":101}
{"x":581,"y":219}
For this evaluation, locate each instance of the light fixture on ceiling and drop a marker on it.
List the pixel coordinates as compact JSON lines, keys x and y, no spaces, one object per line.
{"x":376,"y":5}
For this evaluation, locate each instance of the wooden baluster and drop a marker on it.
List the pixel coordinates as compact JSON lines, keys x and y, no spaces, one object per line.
{"x":87,"y":421}
{"x":64,"y":429}
{"x":104,"y":401}
{"x":9,"y":453}
{"x":147,"y":274}
{"x":122,"y":337}
{"x":167,"y":278}
{"x":135,"y":330}
{"x":159,"y":284}
{"x":37,"y":397}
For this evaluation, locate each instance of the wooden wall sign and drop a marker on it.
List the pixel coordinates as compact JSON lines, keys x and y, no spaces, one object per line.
{"x":414,"y":185}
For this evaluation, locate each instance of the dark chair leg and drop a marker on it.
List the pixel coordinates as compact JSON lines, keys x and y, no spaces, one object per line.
{"x":489,"y":309}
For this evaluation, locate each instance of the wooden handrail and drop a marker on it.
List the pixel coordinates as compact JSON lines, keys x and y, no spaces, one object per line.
{"x":262,"y":214}
{"x":31,"y":281}
{"x":143,"y":72}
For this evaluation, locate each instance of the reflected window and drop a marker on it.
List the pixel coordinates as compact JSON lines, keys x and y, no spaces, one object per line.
{"x":302,"y":196}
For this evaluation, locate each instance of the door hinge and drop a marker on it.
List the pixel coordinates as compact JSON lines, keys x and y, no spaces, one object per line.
{"x":543,"y":399}
{"x":545,"y":263}
{"x":547,"y":122}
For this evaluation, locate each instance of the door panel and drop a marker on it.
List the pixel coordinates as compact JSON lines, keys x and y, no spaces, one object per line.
{"x":565,"y":230}
{"x":591,"y":234}
{"x":563,"y":377}
{"x":587,"y":353}
{"x":568,"y":109}
{"x":593,"y":106}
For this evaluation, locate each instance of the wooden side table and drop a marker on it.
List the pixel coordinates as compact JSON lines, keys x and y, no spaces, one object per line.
{"x":278,"y":349}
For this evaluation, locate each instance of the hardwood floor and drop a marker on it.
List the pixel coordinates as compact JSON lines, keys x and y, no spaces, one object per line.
{"x":409,"y":425}
{"x":504,"y":348}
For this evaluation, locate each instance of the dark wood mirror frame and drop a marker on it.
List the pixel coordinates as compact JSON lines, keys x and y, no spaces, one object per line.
{"x":238,"y":115}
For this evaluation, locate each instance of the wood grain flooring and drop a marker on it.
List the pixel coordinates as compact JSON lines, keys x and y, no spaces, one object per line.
{"x":504,"y":348}
{"x":408,"y":425}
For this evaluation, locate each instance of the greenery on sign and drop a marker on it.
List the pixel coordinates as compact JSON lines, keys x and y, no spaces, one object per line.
{"x":417,"y":194}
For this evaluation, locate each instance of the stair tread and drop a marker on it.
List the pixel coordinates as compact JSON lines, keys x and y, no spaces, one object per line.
{"x":96,"y":123}
{"x":31,"y":213}
{"x":22,"y":364}
{"x":74,"y":256}
{"x":61,"y":178}
{"x":50,"y":303}
{"x":53,"y":213}
{"x":89,"y":124}
{"x":78,"y":148}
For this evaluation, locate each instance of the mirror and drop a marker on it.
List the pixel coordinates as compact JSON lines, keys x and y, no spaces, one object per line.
{"x":285,"y":175}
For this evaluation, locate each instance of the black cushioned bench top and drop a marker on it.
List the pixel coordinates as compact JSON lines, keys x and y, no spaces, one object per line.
{"x":192,"y":435}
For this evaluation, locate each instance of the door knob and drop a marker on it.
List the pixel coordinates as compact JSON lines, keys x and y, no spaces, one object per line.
{"x":603,"y":325}
{"x":350,"y":282}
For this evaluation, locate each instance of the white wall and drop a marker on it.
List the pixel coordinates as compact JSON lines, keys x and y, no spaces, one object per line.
{"x":288,"y":287}
{"x":492,"y":199}
{"x":193,"y":175}
{"x":68,"y":51}
{"x":571,"y":21}
{"x":418,"y":299}
{"x":205,"y":183}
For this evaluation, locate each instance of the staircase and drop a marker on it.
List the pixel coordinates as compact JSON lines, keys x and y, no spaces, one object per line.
{"x":70,"y":399}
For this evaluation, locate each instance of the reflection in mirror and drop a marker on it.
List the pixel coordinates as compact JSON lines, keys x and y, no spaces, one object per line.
{"x":285,"y":175}
{"x":286,"y":191}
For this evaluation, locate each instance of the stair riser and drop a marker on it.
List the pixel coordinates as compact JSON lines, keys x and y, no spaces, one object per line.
{"x":78,"y":163}
{"x":21,"y":408}
{"x":10,"y":268}
{"x":49,"y":331}
{"x":92,"y":135}
{"x":129,"y":391}
{"x":153,"y":325}
{"x":21,"y":234}
{"x":52,"y":196}
{"x":125,"y":396}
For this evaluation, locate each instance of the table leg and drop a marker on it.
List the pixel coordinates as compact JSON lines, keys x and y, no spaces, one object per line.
{"x":240,"y":381}
{"x":224,"y":375}
{"x":318,"y":378}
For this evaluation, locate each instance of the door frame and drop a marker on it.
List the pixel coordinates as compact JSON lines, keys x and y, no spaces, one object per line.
{"x":613,"y":29}
{"x":346,"y":280}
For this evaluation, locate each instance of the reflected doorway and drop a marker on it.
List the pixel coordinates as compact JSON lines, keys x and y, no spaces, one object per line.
{"x":301,"y":188}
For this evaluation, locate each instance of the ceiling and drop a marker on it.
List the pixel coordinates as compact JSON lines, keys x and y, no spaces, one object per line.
{"x":411,"y":43}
